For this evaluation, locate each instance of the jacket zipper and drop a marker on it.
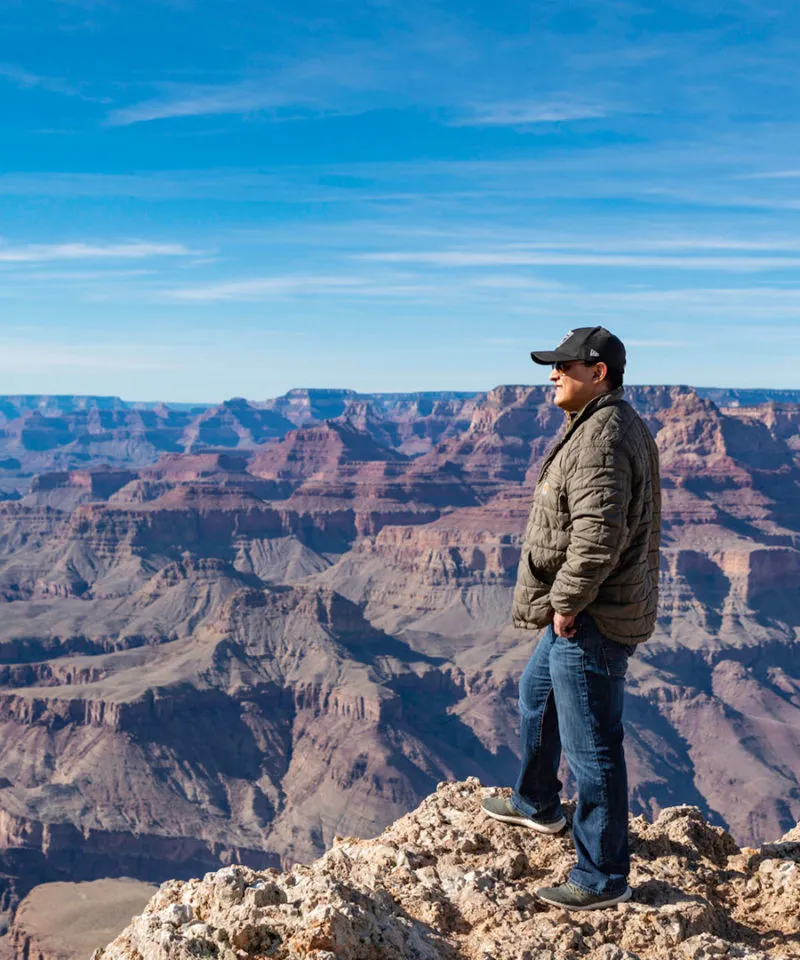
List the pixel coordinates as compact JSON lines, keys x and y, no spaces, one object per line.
{"x":581,"y":418}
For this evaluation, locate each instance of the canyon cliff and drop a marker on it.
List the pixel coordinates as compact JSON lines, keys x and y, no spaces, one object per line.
{"x":230,"y":651}
{"x":445,"y":883}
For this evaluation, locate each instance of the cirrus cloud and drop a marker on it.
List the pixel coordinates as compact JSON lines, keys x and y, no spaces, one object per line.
{"x":43,"y":252}
{"x":528,"y":113}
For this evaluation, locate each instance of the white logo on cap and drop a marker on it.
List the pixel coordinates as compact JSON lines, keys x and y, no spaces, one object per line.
{"x":564,"y":339}
{"x":593,"y":353}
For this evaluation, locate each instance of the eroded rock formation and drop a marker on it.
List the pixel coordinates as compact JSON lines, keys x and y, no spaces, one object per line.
{"x":232,"y":655}
{"x":445,"y":882}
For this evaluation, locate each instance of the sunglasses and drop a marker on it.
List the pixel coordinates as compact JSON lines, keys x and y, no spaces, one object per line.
{"x":564,"y":365}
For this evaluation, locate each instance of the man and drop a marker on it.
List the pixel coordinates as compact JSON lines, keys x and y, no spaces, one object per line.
{"x":589,"y":573}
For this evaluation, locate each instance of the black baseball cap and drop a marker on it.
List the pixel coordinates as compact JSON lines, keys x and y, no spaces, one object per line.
{"x":591,"y":344}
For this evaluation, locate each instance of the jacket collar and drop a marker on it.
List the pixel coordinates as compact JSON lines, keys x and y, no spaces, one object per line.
{"x":604,"y":400}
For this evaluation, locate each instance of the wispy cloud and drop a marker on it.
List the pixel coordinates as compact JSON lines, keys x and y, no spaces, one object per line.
{"x":335,"y":287}
{"x":198,"y":100}
{"x":263,"y":288}
{"x":629,"y":244}
{"x":710,"y":243}
{"x":301,"y":87}
{"x":522,"y":258}
{"x":27,"y":80}
{"x":25,"y":275}
{"x":528,"y":113}
{"x":632,"y":171}
{"x":43,"y":252}
{"x":725,"y":307}
{"x":513,"y":282}
{"x":770,"y":175}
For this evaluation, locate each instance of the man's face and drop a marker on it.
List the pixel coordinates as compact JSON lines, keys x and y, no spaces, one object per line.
{"x":576,"y":384}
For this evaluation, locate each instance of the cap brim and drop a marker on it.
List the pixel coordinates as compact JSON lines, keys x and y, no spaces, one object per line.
{"x":551,"y":356}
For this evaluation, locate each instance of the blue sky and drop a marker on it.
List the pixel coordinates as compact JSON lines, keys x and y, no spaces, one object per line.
{"x":201,"y":200}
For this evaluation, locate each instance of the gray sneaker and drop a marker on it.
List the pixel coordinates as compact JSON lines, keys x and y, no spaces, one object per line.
{"x":570,"y":897}
{"x":500,"y":808}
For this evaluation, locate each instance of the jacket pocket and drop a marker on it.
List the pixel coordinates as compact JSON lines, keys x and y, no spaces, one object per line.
{"x":538,"y":573}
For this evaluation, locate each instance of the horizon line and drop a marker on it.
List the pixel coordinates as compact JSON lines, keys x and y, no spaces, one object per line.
{"x":363,"y":393}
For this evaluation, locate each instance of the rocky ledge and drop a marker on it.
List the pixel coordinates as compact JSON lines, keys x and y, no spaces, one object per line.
{"x":445,"y":882}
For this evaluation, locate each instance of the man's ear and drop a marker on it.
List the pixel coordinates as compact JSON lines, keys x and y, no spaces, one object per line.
{"x":600,"y":372}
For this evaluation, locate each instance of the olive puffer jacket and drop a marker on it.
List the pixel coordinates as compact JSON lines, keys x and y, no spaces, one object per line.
{"x":594,"y":529}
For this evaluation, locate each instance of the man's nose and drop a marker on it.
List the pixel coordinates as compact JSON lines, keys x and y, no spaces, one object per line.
{"x":553,"y":374}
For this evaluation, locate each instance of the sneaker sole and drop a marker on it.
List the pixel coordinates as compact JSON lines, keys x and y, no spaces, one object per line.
{"x":549,"y":828}
{"x":613,"y":901}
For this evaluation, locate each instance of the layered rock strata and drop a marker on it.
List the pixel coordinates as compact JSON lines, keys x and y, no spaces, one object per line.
{"x":239,"y":653}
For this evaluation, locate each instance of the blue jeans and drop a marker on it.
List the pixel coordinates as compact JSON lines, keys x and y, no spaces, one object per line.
{"x":571,"y":696}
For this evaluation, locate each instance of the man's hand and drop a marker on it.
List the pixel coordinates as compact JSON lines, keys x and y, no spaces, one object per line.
{"x":564,"y":626}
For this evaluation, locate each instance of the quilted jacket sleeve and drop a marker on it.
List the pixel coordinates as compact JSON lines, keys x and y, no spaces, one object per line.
{"x":598,"y":487}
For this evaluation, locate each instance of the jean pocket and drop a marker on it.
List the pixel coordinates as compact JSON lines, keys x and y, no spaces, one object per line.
{"x":616,"y":657}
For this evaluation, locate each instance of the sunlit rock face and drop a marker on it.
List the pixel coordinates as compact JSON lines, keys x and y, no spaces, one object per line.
{"x":230,"y":655}
{"x":444,"y":882}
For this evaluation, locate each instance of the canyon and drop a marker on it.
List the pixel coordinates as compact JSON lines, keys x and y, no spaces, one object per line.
{"x":233,"y":633}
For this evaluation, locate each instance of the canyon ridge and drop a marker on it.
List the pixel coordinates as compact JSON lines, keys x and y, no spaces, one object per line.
{"x":232,"y":633}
